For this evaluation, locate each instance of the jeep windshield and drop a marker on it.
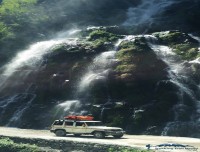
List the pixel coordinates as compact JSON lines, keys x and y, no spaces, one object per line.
{"x":94,"y":123}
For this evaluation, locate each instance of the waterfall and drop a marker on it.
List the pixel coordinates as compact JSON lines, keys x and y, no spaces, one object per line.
{"x":69,"y":107}
{"x":178,"y":74}
{"x":21,"y":102}
{"x":98,"y":70}
{"x":197,"y":61}
{"x":13,"y":73}
{"x":101,"y":66}
{"x":33,"y":57}
{"x":146,"y":11}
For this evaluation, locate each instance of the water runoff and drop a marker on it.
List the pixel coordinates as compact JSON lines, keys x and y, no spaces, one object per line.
{"x":14,"y":72}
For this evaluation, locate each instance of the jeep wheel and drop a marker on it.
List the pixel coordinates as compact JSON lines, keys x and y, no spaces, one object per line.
{"x":99,"y":135}
{"x":77,"y":135}
{"x":60,"y":133}
{"x":117,"y":136}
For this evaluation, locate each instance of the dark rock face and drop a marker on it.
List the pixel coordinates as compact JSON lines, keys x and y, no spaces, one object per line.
{"x":136,"y":93}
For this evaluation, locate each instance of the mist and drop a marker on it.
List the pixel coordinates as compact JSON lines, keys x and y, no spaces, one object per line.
{"x":64,"y":13}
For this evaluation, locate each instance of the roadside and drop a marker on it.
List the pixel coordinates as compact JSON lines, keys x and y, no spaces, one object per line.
{"x":47,"y":139}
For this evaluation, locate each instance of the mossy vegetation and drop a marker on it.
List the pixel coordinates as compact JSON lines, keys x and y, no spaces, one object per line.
{"x":7,"y":144}
{"x":5,"y":32}
{"x":170,"y":37}
{"x":16,"y":16}
{"x":188,"y":51}
{"x":128,"y":54}
{"x":181,"y":43}
{"x":99,"y":38}
{"x":101,"y":34}
{"x":139,"y":45}
{"x":125,"y":68}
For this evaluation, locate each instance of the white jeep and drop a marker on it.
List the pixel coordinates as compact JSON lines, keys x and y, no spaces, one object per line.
{"x":63,"y":127}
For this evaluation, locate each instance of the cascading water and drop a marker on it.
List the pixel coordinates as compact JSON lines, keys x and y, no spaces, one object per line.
{"x":101,"y":66}
{"x":69,"y":107}
{"x":98,"y":70}
{"x":14,"y":73}
{"x":145,"y":12}
{"x":33,"y":57}
{"x":197,"y":61}
{"x":180,"y":77}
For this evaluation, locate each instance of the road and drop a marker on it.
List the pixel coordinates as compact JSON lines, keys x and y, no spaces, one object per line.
{"x":139,"y":141}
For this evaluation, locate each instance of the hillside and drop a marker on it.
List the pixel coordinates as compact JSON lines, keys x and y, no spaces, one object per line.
{"x":132,"y":64}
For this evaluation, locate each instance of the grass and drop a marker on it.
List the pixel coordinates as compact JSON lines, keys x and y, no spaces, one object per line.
{"x":7,"y":145}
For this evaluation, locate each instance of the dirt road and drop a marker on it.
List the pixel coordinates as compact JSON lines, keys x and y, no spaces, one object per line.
{"x":127,"y":140}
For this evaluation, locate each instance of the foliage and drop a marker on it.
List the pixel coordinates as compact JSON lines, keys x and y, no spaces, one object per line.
{"x":16,"y":7}
{"x":5,"y":32}
{"x":20,"y":11}
{"x":19,"y":15}
{"x":8,"y":145}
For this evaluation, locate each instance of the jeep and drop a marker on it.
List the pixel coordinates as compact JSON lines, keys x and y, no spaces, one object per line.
{"x":78,"y":128}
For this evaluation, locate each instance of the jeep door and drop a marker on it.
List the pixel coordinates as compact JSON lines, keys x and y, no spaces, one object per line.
{"x":79,"y":127}
{"x":69,"y":127}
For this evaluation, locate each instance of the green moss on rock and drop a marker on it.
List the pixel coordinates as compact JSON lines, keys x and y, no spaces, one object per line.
{"x":171,"y":37}
{"x":130,"y":55}
{"x":125,"y":68}
{"x":181,"y":43}
{"x":100,"y":34}
{"x":187,"y":51}
{"x":138,"y":45}
{"x":102,"y":39}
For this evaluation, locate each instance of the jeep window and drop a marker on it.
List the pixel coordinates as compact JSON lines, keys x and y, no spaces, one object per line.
{"x":58,"y":122}
{"x":69,"y":123}
{"x":94,"y":123}
{"x":79,"y":123}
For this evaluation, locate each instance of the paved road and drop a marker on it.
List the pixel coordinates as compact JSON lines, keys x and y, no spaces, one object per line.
{"x":127,"y":140}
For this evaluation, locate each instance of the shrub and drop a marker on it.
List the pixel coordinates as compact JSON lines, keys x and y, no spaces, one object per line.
{"x":8,"y":145}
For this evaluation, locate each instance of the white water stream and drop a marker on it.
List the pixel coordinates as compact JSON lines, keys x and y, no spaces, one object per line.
{"x":98,"y":70}
{"x":31,"y":58}
{"x":179,"y":76}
